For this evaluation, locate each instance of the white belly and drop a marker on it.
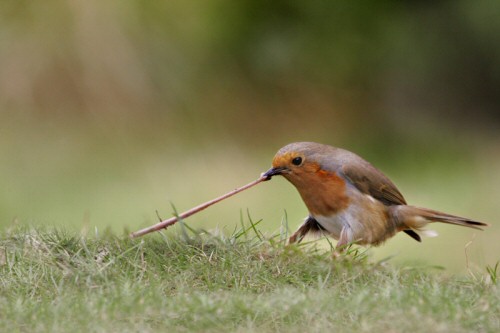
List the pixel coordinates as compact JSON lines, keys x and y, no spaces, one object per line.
{"x":347,"y":220}
{"x":364,"y":224}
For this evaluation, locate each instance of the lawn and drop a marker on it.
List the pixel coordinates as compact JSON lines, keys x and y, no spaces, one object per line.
{"x":53,"y":280}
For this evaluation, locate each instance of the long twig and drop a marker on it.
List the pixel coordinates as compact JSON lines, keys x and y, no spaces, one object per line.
{"x":194,"y":210}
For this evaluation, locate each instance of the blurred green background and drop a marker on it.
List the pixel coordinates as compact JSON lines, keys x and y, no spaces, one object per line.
{"x":111,"y":110}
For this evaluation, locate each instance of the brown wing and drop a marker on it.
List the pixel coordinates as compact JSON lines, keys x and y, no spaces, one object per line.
{"x":370,"y":180}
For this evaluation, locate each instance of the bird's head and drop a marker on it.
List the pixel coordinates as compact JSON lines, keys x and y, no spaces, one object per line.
{"x":297,"y":160}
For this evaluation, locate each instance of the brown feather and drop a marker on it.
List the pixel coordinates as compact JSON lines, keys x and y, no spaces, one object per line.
{"x":370,"y":180}
{"x":309,"y":225}
{"x":416,"y":218}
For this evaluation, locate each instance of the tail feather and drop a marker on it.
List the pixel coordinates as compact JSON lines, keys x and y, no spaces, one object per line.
{"x":415,"y":218}
{"x":432,"y":215}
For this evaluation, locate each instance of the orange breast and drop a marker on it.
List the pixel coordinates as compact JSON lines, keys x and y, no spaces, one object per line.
{"x":324,"y":193}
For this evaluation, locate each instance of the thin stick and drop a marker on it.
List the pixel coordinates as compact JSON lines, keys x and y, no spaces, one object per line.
{"x":194,"y":210}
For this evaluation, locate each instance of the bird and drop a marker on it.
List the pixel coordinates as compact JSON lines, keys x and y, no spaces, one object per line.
{"x":349,"y":199}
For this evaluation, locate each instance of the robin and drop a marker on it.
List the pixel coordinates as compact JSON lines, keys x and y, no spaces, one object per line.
{"x":349,"y":199}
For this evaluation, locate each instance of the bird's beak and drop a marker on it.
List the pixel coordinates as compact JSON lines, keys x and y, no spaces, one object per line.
{"x":273,"y":172}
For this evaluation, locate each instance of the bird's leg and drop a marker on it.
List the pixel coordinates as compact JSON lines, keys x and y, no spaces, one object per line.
{"x":342,"y":242}
{"x":310,"y":224}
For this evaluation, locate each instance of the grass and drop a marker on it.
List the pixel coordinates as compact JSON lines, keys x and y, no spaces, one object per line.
{"x":57,"y":281}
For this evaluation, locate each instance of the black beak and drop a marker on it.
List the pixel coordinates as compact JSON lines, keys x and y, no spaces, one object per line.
{"x":273,"y":172}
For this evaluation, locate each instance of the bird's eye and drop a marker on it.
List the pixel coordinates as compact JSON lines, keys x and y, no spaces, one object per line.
{"x":297,"y":161}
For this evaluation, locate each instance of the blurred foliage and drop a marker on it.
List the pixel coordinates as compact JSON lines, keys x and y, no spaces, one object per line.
{"x":255,"y":62}
{"x":107,"y":108}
